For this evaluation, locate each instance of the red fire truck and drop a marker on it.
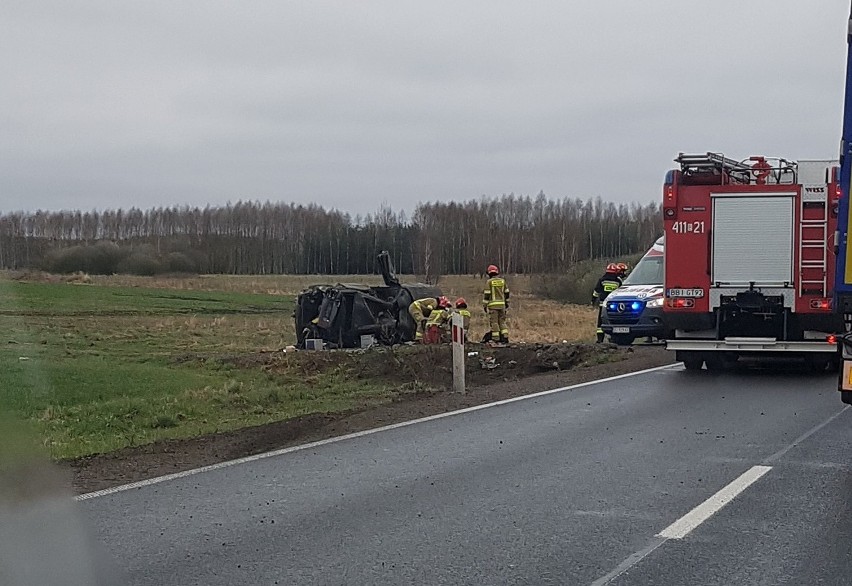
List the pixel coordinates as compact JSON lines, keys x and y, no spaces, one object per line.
{"x":750,"y":258}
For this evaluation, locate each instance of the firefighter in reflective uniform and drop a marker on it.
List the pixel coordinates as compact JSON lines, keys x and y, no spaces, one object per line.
{"x":609,"y":282}
{"x":419,"y":311}
{"x":438,"y":322}
{"x":495,"y":302}
{"x":462,"y":310}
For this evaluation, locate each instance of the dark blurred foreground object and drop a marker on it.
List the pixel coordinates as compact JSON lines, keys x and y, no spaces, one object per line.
{"x":43,"y":538}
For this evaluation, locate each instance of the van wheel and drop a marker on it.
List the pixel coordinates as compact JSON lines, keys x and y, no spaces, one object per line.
{"x":622,"y":339}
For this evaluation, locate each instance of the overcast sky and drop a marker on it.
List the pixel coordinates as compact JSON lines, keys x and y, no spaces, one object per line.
{"x":351,"y":104}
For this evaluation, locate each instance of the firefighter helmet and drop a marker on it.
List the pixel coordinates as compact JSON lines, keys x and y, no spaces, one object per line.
{"x":493,"y":270}
{"x":622,"y":267}
{"x":443,"y":302}
{"x":612,"y":268}
{"x":461,"y":303}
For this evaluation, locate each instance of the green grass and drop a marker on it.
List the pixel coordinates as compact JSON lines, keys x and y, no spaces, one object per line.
{"x":96,"y":368}
{"x":21,"y":298}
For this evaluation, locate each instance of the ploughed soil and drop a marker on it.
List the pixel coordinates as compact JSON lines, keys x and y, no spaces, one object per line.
{"x":492,"y":374}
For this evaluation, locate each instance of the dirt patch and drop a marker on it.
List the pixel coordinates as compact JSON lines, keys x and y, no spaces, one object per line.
{"x":492,"y":374}
{"x":431,"y":366}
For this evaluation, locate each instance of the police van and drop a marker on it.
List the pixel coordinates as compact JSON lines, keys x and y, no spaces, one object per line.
{"x":635,"y":310}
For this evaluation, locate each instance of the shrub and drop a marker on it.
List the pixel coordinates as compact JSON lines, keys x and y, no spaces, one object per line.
{"x":178,"y":262}
{"x":140,"y":264}
{"x":578,"y":282}
{"x":104,"y":258}
{"x":575,"y":286}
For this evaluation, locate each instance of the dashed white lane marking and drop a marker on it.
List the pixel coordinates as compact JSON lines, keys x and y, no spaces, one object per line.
{"x":659,"y":539}
{"x":683,"y":526}
{"x":783,"y":451}
{"x":312,"y":445}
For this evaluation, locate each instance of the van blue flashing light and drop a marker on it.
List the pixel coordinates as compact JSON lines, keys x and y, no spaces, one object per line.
{"x":633,"y":306}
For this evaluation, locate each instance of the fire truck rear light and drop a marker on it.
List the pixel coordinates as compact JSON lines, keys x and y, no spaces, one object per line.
{"x":680,"y":303}
{"x":831,"y":339}
{"x":822,"y":304}
{"x":669,"y":197}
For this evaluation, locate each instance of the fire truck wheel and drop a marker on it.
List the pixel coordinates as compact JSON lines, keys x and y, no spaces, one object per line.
{"x":834,"y":365}
{"x":692,"y":361}
{"x":819,"y":364}
{"x":622,"y":339}
{"x":715,"y":362}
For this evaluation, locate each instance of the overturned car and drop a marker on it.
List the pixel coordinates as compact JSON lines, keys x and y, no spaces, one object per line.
{"x":340,"y":314}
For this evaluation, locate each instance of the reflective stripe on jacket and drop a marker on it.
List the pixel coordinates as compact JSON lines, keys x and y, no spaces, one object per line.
{"x":606,"y":285}
{"x":465,"y":313}
{"x":426,"y":304}
{"x":438,"y":317}
{"x":496,"y":293}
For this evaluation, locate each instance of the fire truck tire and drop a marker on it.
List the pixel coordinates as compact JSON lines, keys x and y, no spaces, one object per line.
{"x":819,"y":364}
{"x":622,"y":339}
{"x":715,"y":362}
{"x":834,"y":365}
{"x":691,"y":361}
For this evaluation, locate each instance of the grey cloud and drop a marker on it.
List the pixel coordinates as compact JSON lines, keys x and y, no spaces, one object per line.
{"x":351,"y":104}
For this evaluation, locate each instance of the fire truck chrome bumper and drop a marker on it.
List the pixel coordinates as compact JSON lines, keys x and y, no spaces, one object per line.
{"x":749,"y":345}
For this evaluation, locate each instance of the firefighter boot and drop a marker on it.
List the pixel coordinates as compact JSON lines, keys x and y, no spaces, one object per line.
{"x":600,"y":337}
{"x":504,"y":338}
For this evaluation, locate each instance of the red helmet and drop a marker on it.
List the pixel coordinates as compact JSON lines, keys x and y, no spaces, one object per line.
{"x":612,"y":268}
{"x":460,"y":302}
{"x":493,"y":270}
{"x":622,"y":267}
{"x":443,"y":302}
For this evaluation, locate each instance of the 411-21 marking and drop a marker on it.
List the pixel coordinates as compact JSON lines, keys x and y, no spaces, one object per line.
{"x":688,"y":228}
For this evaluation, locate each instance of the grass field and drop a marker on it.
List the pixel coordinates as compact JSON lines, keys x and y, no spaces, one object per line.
{"x":532,"y":319}
{"x":127,"y":361}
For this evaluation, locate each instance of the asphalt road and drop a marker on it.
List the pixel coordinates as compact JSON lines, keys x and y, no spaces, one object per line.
{"x":573,"y":487}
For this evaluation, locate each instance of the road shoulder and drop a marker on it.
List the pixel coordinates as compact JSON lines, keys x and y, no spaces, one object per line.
{"x":167,"y":457}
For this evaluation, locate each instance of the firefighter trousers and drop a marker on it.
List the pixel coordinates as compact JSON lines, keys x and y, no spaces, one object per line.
{"x":600,"y":333}
{"x":419,"y":321}
{"x":497,"y":320}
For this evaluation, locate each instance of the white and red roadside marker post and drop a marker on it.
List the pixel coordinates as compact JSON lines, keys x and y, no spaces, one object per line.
{"x":458,"y":353}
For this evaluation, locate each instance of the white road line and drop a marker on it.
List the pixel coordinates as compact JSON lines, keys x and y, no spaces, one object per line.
{"x":683,"y":526}
{"x":668,"y":533}
{"x":340,"y":438}
{"x":631,"y":561}
{"x":783,"y":451}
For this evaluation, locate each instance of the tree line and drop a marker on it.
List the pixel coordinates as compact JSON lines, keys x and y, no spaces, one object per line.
{"x":521,"y":234}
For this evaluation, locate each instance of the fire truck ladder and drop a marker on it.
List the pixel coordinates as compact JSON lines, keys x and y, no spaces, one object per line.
{"x":816,"y":261}
{"x":715,"y":161}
